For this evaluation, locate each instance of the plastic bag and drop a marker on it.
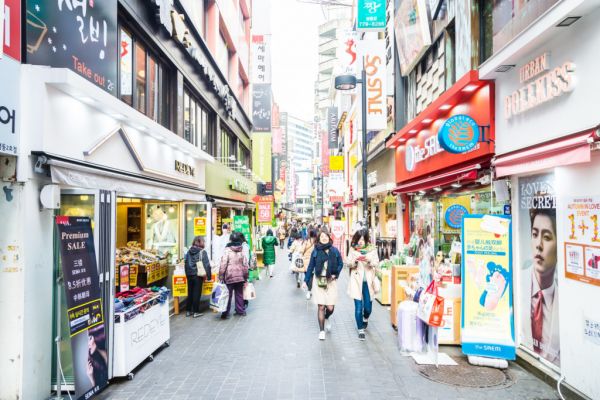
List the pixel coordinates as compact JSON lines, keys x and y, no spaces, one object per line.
{"x":411,"y":330}
{"x":431,"y":306}
{"x":219,"y":297}
{"x":249,"y":291}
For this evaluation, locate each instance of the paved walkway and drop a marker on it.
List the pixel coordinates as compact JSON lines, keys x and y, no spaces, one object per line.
{"x":274,"y":353}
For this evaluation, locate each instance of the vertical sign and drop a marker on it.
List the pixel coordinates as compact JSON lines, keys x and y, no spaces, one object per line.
{"x":80,"y":35}
{"x":324,"y":154}
{"x":582,"y":243}
{"x":538,"y":273}
{"x":261,"y":155}
{"x":371,"y":15}
{"x":261,"y":107}
{"x":372,"y":52}
{"x":265,"y":212}
{"x":346,"y":53}
{"x":84,"y":305}
{"x":10,"y":29}
{"x":487,"y":287}
{"x":332,"y":127}
{"x":261,"y":54}
{"x":241,"y":223}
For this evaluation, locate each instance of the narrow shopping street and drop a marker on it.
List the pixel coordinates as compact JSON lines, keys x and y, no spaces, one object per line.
{"x":274,"y":353}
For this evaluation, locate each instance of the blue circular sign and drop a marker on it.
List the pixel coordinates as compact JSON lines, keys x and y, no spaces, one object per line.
{"x":454,"y":215}
{"x":459,"y":134}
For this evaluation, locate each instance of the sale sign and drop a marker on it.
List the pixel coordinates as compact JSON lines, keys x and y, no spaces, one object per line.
{"x":264,"y":211}
{"x":582,"y":246}
{"x":200,"y":226}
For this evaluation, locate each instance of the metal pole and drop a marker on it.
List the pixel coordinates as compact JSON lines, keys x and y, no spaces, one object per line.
{"x":364,"y":144}
{"x":58,"y":339}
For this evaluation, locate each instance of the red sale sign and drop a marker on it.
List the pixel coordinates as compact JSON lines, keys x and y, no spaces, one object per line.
{"x":264,"y":212}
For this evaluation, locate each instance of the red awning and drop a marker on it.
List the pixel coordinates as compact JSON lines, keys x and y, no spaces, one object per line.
{"x":571,"y":150}
{"x":462,"y":175}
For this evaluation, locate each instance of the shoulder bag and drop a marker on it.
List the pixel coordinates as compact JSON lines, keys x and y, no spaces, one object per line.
{"x":200,"y":266}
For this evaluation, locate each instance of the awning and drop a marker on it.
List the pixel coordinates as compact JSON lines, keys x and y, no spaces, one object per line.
{"x":230,"y":203}
{"x":572,"y":150}
{"x":461,"y":175}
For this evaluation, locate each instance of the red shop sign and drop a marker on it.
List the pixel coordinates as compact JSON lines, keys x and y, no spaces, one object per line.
{"x":11,"y":45}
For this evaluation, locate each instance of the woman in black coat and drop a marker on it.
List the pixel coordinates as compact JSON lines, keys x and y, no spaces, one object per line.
{"x":195,"y":254}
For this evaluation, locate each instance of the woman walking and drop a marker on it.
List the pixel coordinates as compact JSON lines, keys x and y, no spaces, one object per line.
{"x":268,"y":244}
{"x":234,"y":273}
{"x":304,"y":253}
{"x":322,"y":273}
{"x":363,"y":284}
{"x":195,"y":254}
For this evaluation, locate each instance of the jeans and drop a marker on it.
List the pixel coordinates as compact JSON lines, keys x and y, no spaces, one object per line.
{"x":363,"y":308}
{"x":238,"y":288}
{"x":194,"y":290}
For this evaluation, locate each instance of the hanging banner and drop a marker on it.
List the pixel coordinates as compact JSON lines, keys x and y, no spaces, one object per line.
{"x":261,"y":57}
{"x":582,"y":243}
{"x":538,"y":255}
{"x":261,"y":107}
{"x":84,"y":305}
{"x":346,"y":54}
{"x":332,"y":127}
{"x":371,"y":15}
{"x":487,"y":287}
{"x":241,"y":223}
{"x":261,"y":155}
{"x":372,"y":52}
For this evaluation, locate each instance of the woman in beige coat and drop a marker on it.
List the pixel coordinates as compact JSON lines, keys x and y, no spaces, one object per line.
{"x":363,"y":263}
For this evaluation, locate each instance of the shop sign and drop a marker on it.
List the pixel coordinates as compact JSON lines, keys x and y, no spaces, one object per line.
{"x":454,"y":215}
{"x":261,"y":155}
{"x":200,"y":226}
{"x":332,"y":127}
{"x":264,"y":212}
{"x":373,"y":54}
{"x":261,"y":107}
{"x":346,"y":54}
{"x":9,"y":106}
{"x":336,"y":163}
{"x":180,"y":286}
{"x":416,"y":154}
{"x":412,"y":31}
{"x":459,"y":134}
{"x":84,"y":304}
{"x":582,"y":246}
{"x":184,"y":168}
{"x":80,"y":35}
{"x":372,"y":179}
{"x":10,"y":29}
{"x":164,"y":14}
{"x":241,"y":223}
{"x":487,"y":287}
{"x":541,"y":84}
{"x":238,"y":186}
{"x":261,"y":54}
{"x":371,"y":15}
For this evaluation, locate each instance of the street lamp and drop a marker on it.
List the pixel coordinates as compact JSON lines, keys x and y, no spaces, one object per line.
{"x":348,"y":82}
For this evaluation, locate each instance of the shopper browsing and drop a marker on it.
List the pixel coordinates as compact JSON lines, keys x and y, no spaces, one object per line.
{"x":268,"y":244}
{"x":363,"y":284}
{"x":196,"y":254}
{"x":323,"y":270}
{"x":234,"y":273}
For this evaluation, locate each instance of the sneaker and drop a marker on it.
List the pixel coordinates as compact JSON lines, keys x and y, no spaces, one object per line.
{"x":298,"y":284}
{"x":322,"y":335}
{"x":188,"y":313}
{"x":361,"y":334}
{"x":327,"y":325}
{"x":224,"y":316}
{"x":308,"y":295}
{"x":198,"y":314}
{"x":365,"y":323}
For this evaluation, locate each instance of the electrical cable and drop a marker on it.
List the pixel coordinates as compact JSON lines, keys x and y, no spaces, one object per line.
{"x":562,"y":378}
{"x":65,"y":381}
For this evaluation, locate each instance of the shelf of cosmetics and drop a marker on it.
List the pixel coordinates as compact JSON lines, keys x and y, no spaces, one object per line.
{"x":137,"y":267}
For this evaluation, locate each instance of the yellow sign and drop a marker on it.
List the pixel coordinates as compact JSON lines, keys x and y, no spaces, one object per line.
{"x":179,"y":285}
{"x":200,"y":226}
{"x":207,"y":288}
{"x":262,"y":155}
{"x":133,"y":273}
{"x":451,"y":218}
{"x":336,"y":163}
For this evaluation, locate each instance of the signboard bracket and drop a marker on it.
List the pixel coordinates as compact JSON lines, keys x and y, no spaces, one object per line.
{"x":482,"y":139}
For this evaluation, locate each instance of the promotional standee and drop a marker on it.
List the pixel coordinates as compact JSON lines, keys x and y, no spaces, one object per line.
{"x":487,"y":287}
{"x":84,"y":305}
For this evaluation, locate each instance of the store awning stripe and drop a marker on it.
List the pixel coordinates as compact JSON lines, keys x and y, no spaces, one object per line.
{"x":568,"y":151}
{"x":462,"y":175}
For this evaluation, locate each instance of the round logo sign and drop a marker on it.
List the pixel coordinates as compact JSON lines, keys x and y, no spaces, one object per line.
{"x":410,"y":158}
{"x":459,"y":134}
{"x":454,"y":215}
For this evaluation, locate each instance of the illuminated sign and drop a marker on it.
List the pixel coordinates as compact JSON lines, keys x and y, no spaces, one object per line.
{"x":459,"y":134}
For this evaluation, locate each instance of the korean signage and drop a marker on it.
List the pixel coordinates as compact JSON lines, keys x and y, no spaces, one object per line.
{"x":241,"y":223}
{"x":261,"y":107}
{"x":180,"y":286}
{"x":582,"y":243}
{"x":332,"y":127}
{"x":459,"y":134}
{"x":238,"y":185}
{"x":10,"y":29}
{"x":371,"y":15}
{"x":372,"y":51}
{"x":261,"y":53}
{"x":324,"y":154}
{"x":200,"y":226}
{"x":84,"y":304}
{"x":261,"y":155}
{"x":10,"y":113}
{"x":538,"y":272}
{"x":79,"y":35}
{"x":413,"y":37}
{"x":487,"y":287}
{"x":540,"y":85}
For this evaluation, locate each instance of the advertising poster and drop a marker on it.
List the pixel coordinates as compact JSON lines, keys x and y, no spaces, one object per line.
{"x":413,"y":36}
{"x":241,"y":223}
{"x":84,"y":305}
{"x":261,"y":155}
{"x":79,"y":35}
{"x":264,"y":212}
{"x":200,"y":226}
{"x":487,"y":289}
{"x":453,"y":209}
{"x":261,"y":107}
{"x":538,"y":250}
{"x":373,"y":52}
{"x":179,"y":285}
{"x":582,"y":244}
{"x":371,"y":15}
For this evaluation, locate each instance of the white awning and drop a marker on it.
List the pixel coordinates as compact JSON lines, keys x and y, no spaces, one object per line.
{"x":232,"y":204}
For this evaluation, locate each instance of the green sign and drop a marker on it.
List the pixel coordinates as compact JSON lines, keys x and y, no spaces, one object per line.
{"x":371,"y":15}
{"x":241,"y":223}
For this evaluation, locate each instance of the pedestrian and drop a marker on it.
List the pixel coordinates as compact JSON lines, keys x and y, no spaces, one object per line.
{"x":323,"y":270}
{"x":221,"y":242}
{"x":305,"y":251}
{"x":195,"y":254}
{"x":268,"y":244}
{"x":293,"y":233}
{"x":234,"y":273}
{"x":282,"y":233}
{"x":246,"y":252}
{"x":295,"y":253}
{"x":363,"y":263}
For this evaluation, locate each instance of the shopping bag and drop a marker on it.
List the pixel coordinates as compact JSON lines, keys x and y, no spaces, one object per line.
{"x":431,"y":306}
{"x":252,"y":275}
{"x":410,"y":332}
{"x":249,"y":291}
{"x":201,"y":269}
{"x":219,"y":297}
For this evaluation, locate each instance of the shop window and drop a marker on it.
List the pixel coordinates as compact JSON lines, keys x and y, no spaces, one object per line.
{"x":196,"y":224}
{"x":126,"y":68}
{"x":140,"y":78}
{"x":485,"y":30}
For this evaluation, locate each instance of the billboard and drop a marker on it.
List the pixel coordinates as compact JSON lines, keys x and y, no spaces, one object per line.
{"x":373,"y":52}
{"x":413,"y":36}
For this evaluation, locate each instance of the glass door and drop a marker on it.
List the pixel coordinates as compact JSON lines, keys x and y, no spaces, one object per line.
{"x":197,"y":221}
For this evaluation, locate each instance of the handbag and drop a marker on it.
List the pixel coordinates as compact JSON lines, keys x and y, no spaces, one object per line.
{"x":200,"y":267}
{"x":322,"y":280}
{"x":219,"y":297}
{"x":431,"y":306}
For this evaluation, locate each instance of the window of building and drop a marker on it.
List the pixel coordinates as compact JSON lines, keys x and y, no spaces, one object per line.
{"x":242,"y":24}
{"x":223,"y":55}
{"x":244,"y":156}
{"x":140,"y":78}
{"x":486,"y":30}
{"x":197,"y":121}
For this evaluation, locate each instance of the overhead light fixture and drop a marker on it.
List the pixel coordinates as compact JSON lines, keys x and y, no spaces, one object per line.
{"x":437,"y":189}
{"x":470,"y":88}
{"x":422,"y":192}
{"x":505,"y":67}
{"x":427,"y":121}
{"x":567,"y":22}
{"x":402,"y":140}
{"x":445,"y":107}
{"x":456,"y":185}
{"x":413,"y":131}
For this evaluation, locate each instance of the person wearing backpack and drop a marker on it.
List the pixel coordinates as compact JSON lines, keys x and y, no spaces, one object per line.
{"x":323,"y":270}
{"x":195,"y":254}
{"x":268,"y":244}
{"x":233,"y":272}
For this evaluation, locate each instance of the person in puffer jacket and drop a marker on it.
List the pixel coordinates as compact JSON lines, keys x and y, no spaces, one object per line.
{"x":195,"y":254}
{"x":233,"y":272}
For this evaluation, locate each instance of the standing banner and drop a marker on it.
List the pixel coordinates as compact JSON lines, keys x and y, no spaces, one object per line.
{"x":241,"y":223}
{"x":487,"y":287}
{"x":372,"y":52}
{"x":371,"y":15}
{"x":538,"y":275}
{"x":200,"y":226}
{"x":261,"y":107}
{"x":582,"y":244}
{"x":84,"y":305}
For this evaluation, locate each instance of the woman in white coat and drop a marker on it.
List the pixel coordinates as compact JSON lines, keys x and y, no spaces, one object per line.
{"x":363,"y":263}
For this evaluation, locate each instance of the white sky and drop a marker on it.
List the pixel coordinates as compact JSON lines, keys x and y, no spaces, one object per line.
{"x":294,"y":55}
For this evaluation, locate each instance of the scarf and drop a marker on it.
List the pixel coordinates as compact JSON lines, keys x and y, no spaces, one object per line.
{"x":234,"y":244}
{"x":363,"y":250}
{"x":322,"y":257}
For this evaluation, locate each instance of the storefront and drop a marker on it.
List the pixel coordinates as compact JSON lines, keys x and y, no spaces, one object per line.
{"x":547,"y":134}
